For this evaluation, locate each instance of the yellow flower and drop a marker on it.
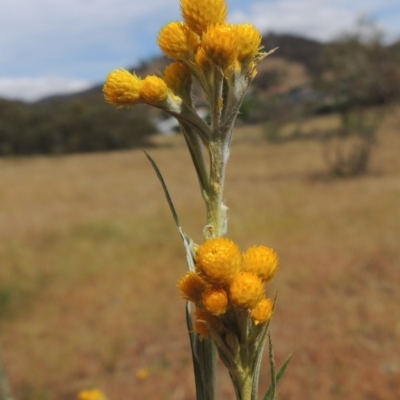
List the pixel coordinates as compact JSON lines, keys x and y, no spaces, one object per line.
{"x":262,"y":312}
{"x":219,"y":260}
{"x":215,"y":301}
{"x":246,"y":290}
{"x":142,"y":374}
{"x":153,"y":89}
{"x":261,"y":260}
{"x":93,"y":394}
{"x":122,"y":88}
{"x":192,"y":287}
{"x":248,"y":41}
{"x":178,"y":77}
{"x":177,"y":41}
{"x":219,"y":42}
{"x":200,"y":14}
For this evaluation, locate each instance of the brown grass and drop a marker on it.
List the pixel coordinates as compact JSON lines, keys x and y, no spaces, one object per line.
{"x":90,"y":257}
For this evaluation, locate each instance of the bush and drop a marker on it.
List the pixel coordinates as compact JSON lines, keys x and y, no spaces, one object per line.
{"x":70,"y":127}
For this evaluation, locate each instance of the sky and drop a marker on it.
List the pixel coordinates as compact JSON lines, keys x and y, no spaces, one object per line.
{"x":53,"y":47}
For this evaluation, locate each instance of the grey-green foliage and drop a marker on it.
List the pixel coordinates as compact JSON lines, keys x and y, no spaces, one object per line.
{"x":347,"y":149}
{"x":359,"y":69}
{"x":356,"y":71}
{"x":70,"y":127}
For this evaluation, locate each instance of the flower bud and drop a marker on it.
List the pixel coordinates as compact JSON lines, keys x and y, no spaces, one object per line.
{"x":122,"y":88}
{"x":219,"y":260}
{"x":246,"y":290}
{"x":200,"y":14}
{"x":262,"y":312}
{"x":262,"y":261}
{"x":177,"y":41}
{"x":153,"y":89}
{"x":215,"y":301}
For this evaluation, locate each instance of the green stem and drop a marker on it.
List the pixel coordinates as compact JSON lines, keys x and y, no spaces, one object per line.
{"x":216,"y":209}
{"x":243,"y":384}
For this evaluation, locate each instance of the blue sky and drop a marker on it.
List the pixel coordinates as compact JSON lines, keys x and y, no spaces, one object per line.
{"x":53,"y":46}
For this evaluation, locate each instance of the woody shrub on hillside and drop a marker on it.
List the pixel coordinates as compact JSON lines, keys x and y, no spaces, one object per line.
{"x":357,"y":71}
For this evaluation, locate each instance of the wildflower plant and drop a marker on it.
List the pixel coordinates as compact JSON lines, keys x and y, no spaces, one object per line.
{"x":228,"y":311}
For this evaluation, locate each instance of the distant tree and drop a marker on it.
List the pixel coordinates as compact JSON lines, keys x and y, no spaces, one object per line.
{"x":266,"y":79}
{"x":356,"y":70}
{"x":70,"y":126}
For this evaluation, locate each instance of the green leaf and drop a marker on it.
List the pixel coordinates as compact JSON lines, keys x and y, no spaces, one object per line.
{"x":196,"y":366}
{"x":164,"y":186}
{"x":204,"y":357}
{"x":270,"y":395}
{"x":196,"y":149}
{"x":187,"y":241}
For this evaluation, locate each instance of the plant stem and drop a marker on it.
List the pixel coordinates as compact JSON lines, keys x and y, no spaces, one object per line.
{"x":216,"y":209}
{"x":243,"y":384}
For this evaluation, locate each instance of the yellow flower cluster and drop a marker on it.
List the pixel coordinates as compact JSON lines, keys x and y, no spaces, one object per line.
{"x":226,"y":280}
{"x":124,"y":89}
{"x":204,"y":40}
{"x":205,"y":34}
{"x":93,"y":394}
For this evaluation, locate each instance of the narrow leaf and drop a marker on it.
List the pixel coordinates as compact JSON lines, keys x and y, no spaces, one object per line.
{"x":283,"y":368}
{"x":207,"y":356}
{"x":189,"y":249}
{"x":204,"y":356}
{"x":164,"y":186}
{"x":268,"y":395}
{"x":193,"y":337}
{"x":196,"y":149}
{"x":272,"y":388}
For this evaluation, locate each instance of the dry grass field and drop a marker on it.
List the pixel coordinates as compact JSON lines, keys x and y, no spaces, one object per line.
{"x":89,"y":259}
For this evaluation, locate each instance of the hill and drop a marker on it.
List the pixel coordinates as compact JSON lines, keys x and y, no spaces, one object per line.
{"x":292,"y":48}
{"x":83,"y":122}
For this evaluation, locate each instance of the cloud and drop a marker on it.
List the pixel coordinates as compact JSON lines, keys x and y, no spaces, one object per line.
{"x":317,"y":19}
{"x":50,"y":35}
{"x":32,"y":89}
{"x":76,"y":40}
{"x":82,"y":40}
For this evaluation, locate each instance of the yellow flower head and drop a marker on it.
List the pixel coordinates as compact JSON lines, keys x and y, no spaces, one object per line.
{"x":262,"y":261}
{"x":178,"y":41}
{"x":178,"y":77}
{"x":142,"y":374}
{"x":246,"y":290}
{"x":262,"y":312}
{"x":215,"y":301}
{"x":93,"y":394}
{"x":122,"y":88}
{"x":192,"y":287}
{"x":200,"y":14}
{"x":219,"y":42}
{"x":153,"y":89}
{"x":248,"y":41}
{"x":219,"y":260}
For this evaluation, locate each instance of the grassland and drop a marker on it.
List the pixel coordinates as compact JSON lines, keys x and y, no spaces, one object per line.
{"x":89,"y":259}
